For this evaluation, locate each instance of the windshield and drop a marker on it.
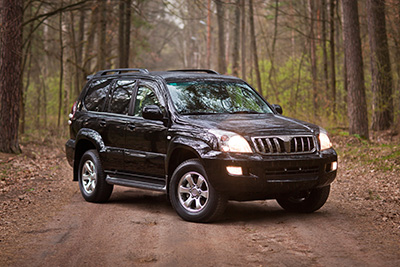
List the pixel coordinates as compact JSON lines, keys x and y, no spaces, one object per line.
{"x":215,"y":97}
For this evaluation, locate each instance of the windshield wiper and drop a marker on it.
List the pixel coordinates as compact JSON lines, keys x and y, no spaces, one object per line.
{"x":245,"y":112}
{"x":198,"y":113}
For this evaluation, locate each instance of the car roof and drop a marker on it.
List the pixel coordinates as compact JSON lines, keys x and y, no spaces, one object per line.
{"x":170,"y":75}
{"x":191,"y":75}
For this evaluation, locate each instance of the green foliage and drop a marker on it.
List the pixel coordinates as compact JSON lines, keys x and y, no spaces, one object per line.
{"x":42,"y":112}
{"x":373,"y":156}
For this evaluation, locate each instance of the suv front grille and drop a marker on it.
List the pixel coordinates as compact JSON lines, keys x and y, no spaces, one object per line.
{"x":285,"y":144}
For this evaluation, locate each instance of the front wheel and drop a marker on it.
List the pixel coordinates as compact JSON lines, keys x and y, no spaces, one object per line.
{"x":192,"y":195}
{"x":305,"y":202}
{"x":91,"y":177}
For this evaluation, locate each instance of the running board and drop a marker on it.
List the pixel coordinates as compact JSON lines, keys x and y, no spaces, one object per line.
{"x":136,"y":184}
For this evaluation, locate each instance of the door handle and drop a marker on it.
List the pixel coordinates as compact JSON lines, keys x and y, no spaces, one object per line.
{"x":102,"y":123}
{"x":131,"y":127}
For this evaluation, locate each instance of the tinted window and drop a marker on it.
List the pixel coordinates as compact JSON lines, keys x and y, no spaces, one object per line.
{"x":145,"y":96}
{"x":209,"y":97}
{"x":96,"y":96}
{"x":120,"y":96}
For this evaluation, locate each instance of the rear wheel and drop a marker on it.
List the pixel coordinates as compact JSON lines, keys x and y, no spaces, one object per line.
{"x":192,"y":195}
{"x":305,"y":202}
{"x":91,"y":177}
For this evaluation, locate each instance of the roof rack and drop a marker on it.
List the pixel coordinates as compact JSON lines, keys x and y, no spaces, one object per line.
{"x":196,"y":70}
{"x":119,"y":71}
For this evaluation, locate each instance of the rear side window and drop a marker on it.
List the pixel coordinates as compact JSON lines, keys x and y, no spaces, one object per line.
{"x":97,"y":94}
{"x":120,"y":96}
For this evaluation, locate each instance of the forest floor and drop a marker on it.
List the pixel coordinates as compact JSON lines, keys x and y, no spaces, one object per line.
{"x":45,"y":222}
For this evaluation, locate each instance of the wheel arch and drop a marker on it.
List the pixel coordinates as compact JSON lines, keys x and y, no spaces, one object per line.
{"x":86,"y":139}
{"x":178,"y":155}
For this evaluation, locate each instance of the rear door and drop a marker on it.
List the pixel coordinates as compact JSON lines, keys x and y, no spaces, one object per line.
{"x":112,"y":125}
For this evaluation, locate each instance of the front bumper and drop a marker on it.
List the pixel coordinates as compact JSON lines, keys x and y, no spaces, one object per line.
{"x":266,"y":177}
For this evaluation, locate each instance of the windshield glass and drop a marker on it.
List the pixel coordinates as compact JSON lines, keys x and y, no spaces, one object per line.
{"x":214,"y":97}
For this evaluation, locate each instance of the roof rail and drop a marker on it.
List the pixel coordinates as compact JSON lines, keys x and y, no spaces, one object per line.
{"x":196,"y":70}
{"x":119,"y":71}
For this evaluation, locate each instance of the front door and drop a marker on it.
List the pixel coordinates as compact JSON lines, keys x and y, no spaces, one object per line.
{"x":145,"y":139}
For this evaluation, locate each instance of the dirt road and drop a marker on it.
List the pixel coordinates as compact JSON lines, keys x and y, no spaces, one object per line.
{"x":47,"y":223}
{"x":140,"y":228}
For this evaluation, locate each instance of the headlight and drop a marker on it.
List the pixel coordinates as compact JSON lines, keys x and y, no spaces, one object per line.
{"x":324,"y":140}
{"x":231,"y":142}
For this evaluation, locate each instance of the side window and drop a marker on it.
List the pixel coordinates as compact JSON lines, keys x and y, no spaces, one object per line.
{"x":145,"y":96}
{"x":120,"y":96}
{"x":96,"y":96}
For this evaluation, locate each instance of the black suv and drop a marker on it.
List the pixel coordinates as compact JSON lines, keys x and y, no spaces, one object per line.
{"x":200,"y":137}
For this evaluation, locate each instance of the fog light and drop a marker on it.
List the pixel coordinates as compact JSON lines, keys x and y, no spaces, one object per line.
{"x":233,"y":170}
{"x":334,"y":166}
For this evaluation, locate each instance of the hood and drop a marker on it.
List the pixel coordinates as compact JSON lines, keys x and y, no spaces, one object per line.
{"x":250,"y":124}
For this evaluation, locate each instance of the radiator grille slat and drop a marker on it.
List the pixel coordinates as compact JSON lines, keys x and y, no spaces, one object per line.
{"x":285,"y":144}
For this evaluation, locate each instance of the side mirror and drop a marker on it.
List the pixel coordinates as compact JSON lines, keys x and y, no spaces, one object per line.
{"x":152,"y":112}
{"x":277,"y":108}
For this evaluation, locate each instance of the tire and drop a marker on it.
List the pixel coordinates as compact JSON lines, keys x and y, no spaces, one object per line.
{"x":307,"y":202}
{"x":91,"y":177}
{"x":192,"y":196}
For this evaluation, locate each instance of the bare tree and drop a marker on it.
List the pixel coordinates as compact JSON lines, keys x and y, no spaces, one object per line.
{"x":236,"y":40}
{"x":324,"y":49}
{"x":332,"y":54}
{"x":254,"y":46}
{"x":10,"y":74}
{"x":221,"y":36}
{"x":243,"y":38}
{"x":101,"y":53}
{"x":91,"y":32}
{"x":60,"y":85}
{"x":209,"y":34}
{"x":272,"y":71}
{"x":124,"y":33}
{"x":382,"y":116}
{"x":121,"y":34}
{"x":357,"y":106}
{"x":311,"y":10}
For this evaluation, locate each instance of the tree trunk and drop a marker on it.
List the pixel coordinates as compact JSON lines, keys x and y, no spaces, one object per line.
{"x":101,"y":52}
{"x":313,"y":57}
{"x":26,"y":69}
{"x":121,"y":34}
{"x":221,"y":36}
{"x":243,"y":37}
{"x":38,"y":103}
{"x":209,"y":34}
{"x":88,"y":55}
{"x":127,"y":38}
{"x":272,"y":69}
{"x":382,"y":85}
{"x":24,"y":90}
{"x":124,"y":33}
{"x":356,"y":106}
{"x":10,"y":74}
{"x":67,"y":43}
{"x":44,"y":87}
{"x":332,"y":54}
{"x":254,"y":46}
{"x":396,"y":39}
{"x":325,"y":53}
{"x":60,"y":88}
{"x":79,"y":51}
{"x":236,"y":40}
